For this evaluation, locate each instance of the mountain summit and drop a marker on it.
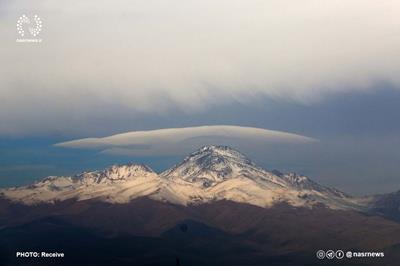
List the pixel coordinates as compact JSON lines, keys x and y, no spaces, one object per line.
{"x":212,"y":165}
{"x":211,"y":173}
{"x":116,"y":173}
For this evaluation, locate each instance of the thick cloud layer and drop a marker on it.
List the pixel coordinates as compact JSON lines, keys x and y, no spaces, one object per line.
{"x":152,"y":56}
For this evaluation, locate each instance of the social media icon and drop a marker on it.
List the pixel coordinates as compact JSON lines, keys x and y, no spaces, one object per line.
{"x":320,"y":254}
{"x":349,"y":254}
{"x":330,"y":254}
{"x":339,"y":254}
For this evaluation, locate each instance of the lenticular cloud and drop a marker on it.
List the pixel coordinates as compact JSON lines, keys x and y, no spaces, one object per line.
{"x":174,"y":140}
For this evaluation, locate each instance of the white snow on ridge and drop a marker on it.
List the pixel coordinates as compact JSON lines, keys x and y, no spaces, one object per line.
{"x":209,"y":174}
{"x":213,"y":164}
{"x":115,"y":184}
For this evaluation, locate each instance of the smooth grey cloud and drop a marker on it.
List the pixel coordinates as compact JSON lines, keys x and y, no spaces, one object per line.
{"x":151,"y":56}
{"x":172,"y":141}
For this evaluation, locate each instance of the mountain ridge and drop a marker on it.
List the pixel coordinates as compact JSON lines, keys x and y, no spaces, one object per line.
{"x":211,"y":173}
{"x":260,"y":216}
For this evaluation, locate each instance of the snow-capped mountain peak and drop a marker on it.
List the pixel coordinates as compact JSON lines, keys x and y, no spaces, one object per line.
{"x":118,"y":183}
{"x":302,"y":182}
{"x":209,"y":174}
{"x":212,"y":164}
{"x":116,"y":173}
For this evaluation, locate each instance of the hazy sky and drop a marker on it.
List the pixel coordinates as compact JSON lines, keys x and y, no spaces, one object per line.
{"x":327,"y":70}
